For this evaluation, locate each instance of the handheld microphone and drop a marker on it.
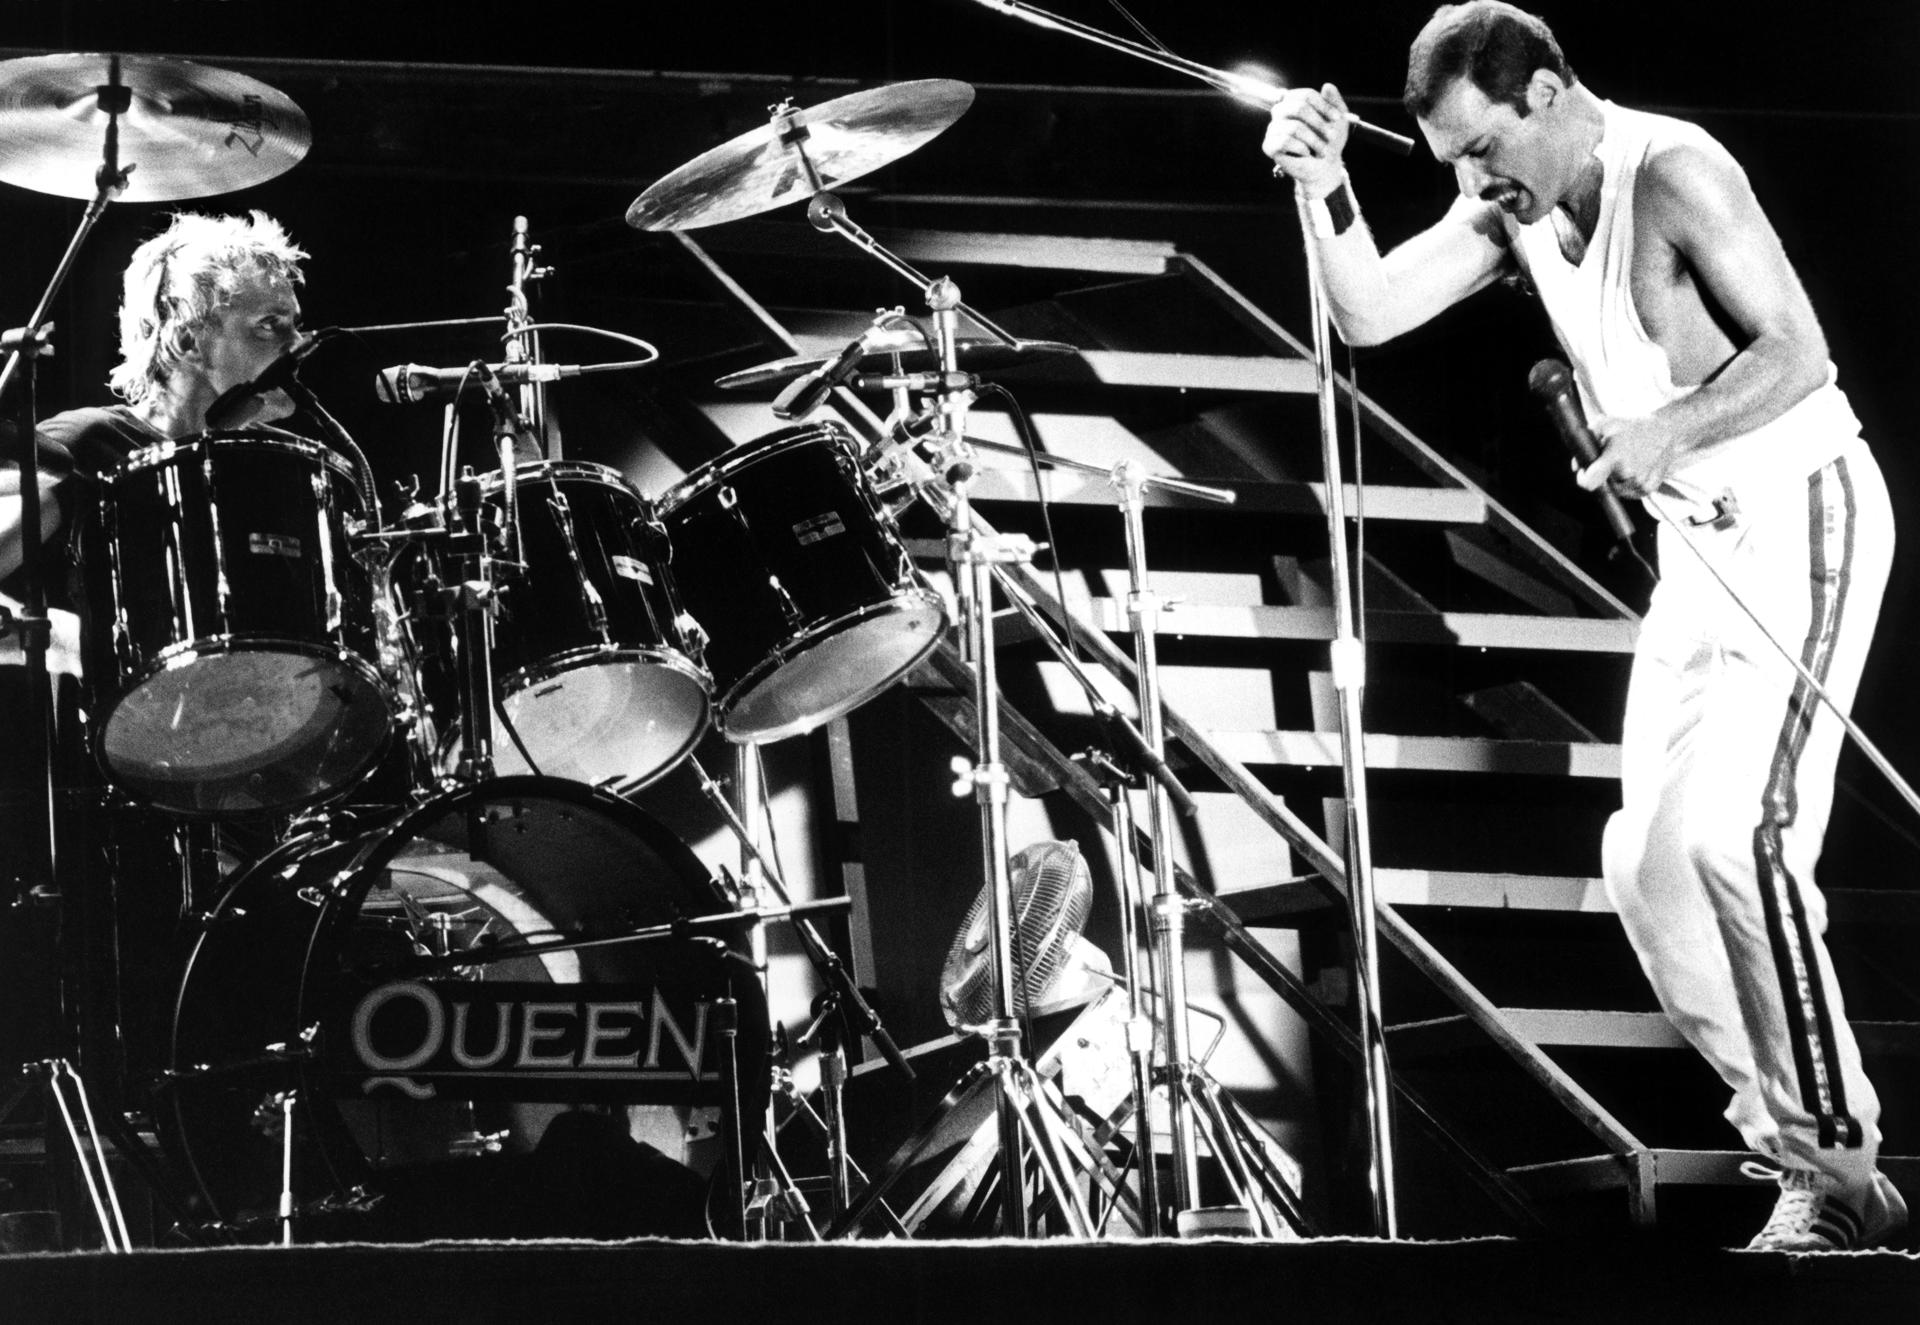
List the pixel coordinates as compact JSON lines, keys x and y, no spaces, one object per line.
{"x":1551,"y":383}
{"x":410,"y":384}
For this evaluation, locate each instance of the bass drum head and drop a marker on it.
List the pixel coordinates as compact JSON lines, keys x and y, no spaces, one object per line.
{"x":559,"y":1094}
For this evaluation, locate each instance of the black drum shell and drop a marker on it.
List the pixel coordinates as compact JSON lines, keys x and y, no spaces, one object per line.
{"x":781,"y":550}
{"x":228,"y":557}
{"x":290,"y":935}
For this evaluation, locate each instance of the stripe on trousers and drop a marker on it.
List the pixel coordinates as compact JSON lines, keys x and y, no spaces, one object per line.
{"x":1802,"y":987}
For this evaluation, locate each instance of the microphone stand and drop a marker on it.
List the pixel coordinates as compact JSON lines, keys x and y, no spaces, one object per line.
{"x":1347,"y":657}
{"x":1032,"y":1122}
{"x":1254,"y":90}
{"x":1347,"y":653}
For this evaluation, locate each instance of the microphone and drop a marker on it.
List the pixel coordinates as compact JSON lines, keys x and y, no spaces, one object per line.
{"x":807,"y":393}
{"x":1551,"y":383}
{"x":410,"y":384}
{"x":279,"y":375}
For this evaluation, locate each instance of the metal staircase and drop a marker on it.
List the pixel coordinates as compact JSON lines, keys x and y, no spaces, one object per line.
{"x":1494,"y":659}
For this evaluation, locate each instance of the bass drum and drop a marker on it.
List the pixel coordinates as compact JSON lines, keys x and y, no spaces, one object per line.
{"x":576,"y":1093}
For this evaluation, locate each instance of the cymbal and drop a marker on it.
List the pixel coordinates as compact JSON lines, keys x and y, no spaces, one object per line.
{"x":845,"y":138}
{"x":973,"y":356}
{"x":189,"y":131}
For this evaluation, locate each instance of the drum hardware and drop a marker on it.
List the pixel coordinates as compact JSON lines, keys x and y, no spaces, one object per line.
{"x":680,"y":928}
{"x":523,"y":342}
{"x":766,"y":168}
{"x":895,"y":358}
{"x":777,"y":1191}
{"x":1347,"y":650}
{"x":64,"y":1085}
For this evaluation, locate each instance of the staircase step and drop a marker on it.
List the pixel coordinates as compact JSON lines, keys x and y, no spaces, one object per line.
{"x":1587,"y":1029}
{"x":1452,"y":506}
{"x":1679,"y":1168}
{"x":1295,"y":901}
{"x":1184,"y":614}
{"x":1436,"y":754}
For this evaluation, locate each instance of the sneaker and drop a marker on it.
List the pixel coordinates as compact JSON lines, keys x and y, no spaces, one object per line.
{"x":1810,"y":1216}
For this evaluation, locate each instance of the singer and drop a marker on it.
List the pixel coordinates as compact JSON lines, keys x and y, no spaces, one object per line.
{"x":206,"y":305}
{"x":1703,"y":371}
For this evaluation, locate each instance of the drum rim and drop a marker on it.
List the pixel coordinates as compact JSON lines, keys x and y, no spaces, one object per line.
{"x":177,"y":655}
{"x":571,"y":660}
{"x":150,"y":457}
{"x":781,"y":439}
{"x":795,"y":645}
{"x":369,"y":851}
{"x":672,"y":661}
{"x":534,"y":471}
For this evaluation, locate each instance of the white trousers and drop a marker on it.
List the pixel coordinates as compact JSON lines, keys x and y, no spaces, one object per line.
{"x":1727,"y":765}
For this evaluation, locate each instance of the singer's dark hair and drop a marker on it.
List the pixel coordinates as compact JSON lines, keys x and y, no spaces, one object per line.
{"x":1494,"y":45}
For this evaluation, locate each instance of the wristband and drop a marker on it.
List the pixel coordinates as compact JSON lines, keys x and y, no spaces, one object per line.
{"x":1333,"y":215}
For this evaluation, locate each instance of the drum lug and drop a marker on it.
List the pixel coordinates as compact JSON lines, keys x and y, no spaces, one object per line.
{"x":725,"y":497}
{"x":694,"y":636}
{"x":795,"y":617}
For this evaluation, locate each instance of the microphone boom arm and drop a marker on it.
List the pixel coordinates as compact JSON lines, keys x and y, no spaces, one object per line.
{"x":1239,"y":85}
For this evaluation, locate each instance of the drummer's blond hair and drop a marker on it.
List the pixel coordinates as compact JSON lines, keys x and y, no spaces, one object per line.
{"x":180,"y":278}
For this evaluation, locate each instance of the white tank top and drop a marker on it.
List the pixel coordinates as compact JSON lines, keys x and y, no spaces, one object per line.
{"x":1621,"y":371}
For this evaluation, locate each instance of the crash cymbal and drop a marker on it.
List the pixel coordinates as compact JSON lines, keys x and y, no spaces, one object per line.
{"x":189,"y":131}
{"x":844,"y":138}
{"x":973,"y":356}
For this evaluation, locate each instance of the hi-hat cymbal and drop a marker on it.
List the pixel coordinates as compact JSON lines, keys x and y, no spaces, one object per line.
{"x":844,"y":138}
{"x":973,"y":356}
{"x":189,"y":131}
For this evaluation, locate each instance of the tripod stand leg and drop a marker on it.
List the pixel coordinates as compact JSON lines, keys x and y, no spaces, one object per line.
{"x":1258,"y":1146}
{"x":1041,"y":1129}
{"x":91,"y":1158}
{"x":1087,"y":1153}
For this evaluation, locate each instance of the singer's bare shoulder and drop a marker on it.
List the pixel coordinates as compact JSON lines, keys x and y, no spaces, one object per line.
{"x":1710,"y":276}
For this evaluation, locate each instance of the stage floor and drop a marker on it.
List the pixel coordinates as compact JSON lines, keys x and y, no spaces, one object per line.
{"x":1321,"y":1282}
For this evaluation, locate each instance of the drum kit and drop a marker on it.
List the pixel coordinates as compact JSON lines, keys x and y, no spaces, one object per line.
{"x":390,"y":1010}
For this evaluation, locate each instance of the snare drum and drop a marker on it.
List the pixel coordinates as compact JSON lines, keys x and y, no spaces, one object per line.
{"x":230,"y":627}
{"x":797,"y":574}
{"x":589,"y":658}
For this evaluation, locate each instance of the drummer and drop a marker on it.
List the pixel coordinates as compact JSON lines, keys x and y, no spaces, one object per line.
{"x":206,"y":306}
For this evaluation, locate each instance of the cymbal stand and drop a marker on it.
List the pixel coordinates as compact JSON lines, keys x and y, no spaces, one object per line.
{"x":1032,"y":1121}
{"x":1265,"y":1201}
{"x":24,"y":346}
